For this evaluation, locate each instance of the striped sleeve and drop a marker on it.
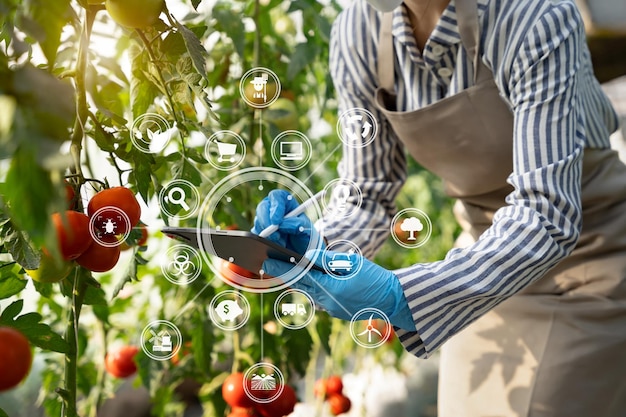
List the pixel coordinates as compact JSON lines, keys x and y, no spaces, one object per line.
{"x":379,"y":169}
{"x":540,"y":224}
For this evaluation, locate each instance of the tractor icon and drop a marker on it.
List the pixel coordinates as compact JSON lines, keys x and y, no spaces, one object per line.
{"x":109,"y":226}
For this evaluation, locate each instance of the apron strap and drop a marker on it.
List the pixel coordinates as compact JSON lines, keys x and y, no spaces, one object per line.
{"x":386,"y":56}
{"x":467,"y":20}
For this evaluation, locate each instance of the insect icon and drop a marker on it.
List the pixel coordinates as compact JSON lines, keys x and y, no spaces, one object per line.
{"x":109,"y":226}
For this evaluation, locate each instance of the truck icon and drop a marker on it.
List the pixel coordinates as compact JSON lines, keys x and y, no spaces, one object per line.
{"x":293,"y":309}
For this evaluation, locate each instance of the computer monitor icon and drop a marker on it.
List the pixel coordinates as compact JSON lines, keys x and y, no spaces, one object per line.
{"x":291,"y":151}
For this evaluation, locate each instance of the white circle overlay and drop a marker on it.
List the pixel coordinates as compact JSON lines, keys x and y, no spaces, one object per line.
{"x":182,"y":254}
{"x":264,"y":175}
{"x":173,"y":189}
{"x":149,"y":333}
{"x":258,"y":73}
{"x":424,"y":220}
{"x":341,"y":255}
{"x":229,"y":295}
{"x":225,"y":143}
{"x":280,"y":310}
{"x":252,"y":371}
{"x":281,"y":157}
{"x":356,"y":331}
{"x":96,"y":232}
{"x":341,"y":209}
{"x":156,"y":124}
{"x":362,"y":119}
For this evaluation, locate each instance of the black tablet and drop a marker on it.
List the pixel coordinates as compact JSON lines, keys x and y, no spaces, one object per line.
{"x":244,"y":249}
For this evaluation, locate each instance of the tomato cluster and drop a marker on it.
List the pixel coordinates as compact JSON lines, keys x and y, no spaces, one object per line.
{"x":120,"y":362}
{"x":242,"y":405}
{"x":331,"y":390}
{"x":75,"y":231}
{"x":16,"y":357}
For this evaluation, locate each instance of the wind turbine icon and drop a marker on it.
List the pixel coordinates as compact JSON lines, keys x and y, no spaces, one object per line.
{"x":370,"y":329}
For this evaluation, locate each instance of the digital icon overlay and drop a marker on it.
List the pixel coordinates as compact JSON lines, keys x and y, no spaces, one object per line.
{"x":161,"y":340}
{"x":259,"y":87}
{"x":229,"y":310}
{"x":151,"y":133}
{"x":357,"y":127}
{"x":225,"y":150}
{"x":179,"y":198}
{"x":370,"y":328}
{"x":291,"y":150}
{"x":411,"y":228}
{"x":343,"y":198}
{"x":109,"y":226}
{"x":294,"y":309}
{"x":263,"y":382}
{"x":181,"y":265}
{"x":346,"y":260}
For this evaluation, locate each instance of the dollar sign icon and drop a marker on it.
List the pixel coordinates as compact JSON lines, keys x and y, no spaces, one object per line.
{"x":228,"y":310}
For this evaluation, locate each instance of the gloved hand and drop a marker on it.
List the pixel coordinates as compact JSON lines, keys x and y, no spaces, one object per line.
{"x":294,"y":233}
{"x":372,"y":286}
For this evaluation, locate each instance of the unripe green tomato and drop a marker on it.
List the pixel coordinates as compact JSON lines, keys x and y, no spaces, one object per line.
{"x":136,"y":14}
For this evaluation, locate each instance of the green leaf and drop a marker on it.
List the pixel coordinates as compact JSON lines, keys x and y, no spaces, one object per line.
{"x":28,"y":191}
{"x":298,"y":345}
{"x":305,"y":54}
{"x":202,"y":344}
{"x":46,"y":289}
{"x":195,"y":4}
{"x":196,"y":51}
{"x":48,"y":19}
{"x":39,"y":334}
{"x":142,"y":90}
{"x":93,"y":295}
{"x":323,"y":326}
{"x":3,"y":413}
{"x":11,"y":285}
{"x":22,"y":252}
{"x":184,"y":169}
{"x":230,"y":21}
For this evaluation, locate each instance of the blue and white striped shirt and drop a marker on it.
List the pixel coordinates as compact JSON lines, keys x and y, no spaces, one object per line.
{"x":537,"y":52}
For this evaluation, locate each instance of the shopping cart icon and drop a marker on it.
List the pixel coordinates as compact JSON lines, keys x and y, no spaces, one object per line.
{"x":226,"y":151}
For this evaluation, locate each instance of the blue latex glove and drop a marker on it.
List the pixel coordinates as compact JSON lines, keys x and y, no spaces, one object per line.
{"x":372,"y":286}
{"x":294,"y":233}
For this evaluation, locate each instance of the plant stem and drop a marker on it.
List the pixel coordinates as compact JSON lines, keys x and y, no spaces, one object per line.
{"x":71,"y":336}
{"x":170,"y":100}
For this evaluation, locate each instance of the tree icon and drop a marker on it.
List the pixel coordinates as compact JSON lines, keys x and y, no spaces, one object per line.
{"x":411,"y":225}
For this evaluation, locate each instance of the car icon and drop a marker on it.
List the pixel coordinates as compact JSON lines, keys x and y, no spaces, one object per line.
{"x":340,"y":262}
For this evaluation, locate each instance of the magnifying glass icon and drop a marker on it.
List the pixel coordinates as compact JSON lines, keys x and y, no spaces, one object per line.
{"x":178,"y":200}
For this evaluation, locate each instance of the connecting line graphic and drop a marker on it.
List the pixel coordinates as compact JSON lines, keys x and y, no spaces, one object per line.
{"x":206,"y":178}
{"x":262,"y":344}
{"x":321,"y":164}
{"x":188,"y":305}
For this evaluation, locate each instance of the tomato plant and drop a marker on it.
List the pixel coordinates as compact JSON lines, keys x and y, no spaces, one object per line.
{"x":16,"y":357}
{"x":339,"y":404}
{"x":120,"y":362}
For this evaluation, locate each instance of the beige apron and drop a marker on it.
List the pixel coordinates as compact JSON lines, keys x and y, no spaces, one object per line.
{"x":558,"y":348}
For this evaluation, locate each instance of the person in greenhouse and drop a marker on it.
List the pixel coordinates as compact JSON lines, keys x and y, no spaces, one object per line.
{"x":499,"y":99}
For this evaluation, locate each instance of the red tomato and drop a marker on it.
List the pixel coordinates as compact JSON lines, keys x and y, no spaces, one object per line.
{"x":120,"y":362}
{"x":339,"y":404}
{"x":334,"y":385}
{"x":15,"y":357}
{"x":233,"y":391}
{"x":99,"y":258}
{"x":280,"y":406}
{"x":70,"y":193}
{"x":326,"y":387}
{"x":242,"y":412}
{"x":231,"y":271}
{"x":72,"y":229}
{"x":121,"y":198}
